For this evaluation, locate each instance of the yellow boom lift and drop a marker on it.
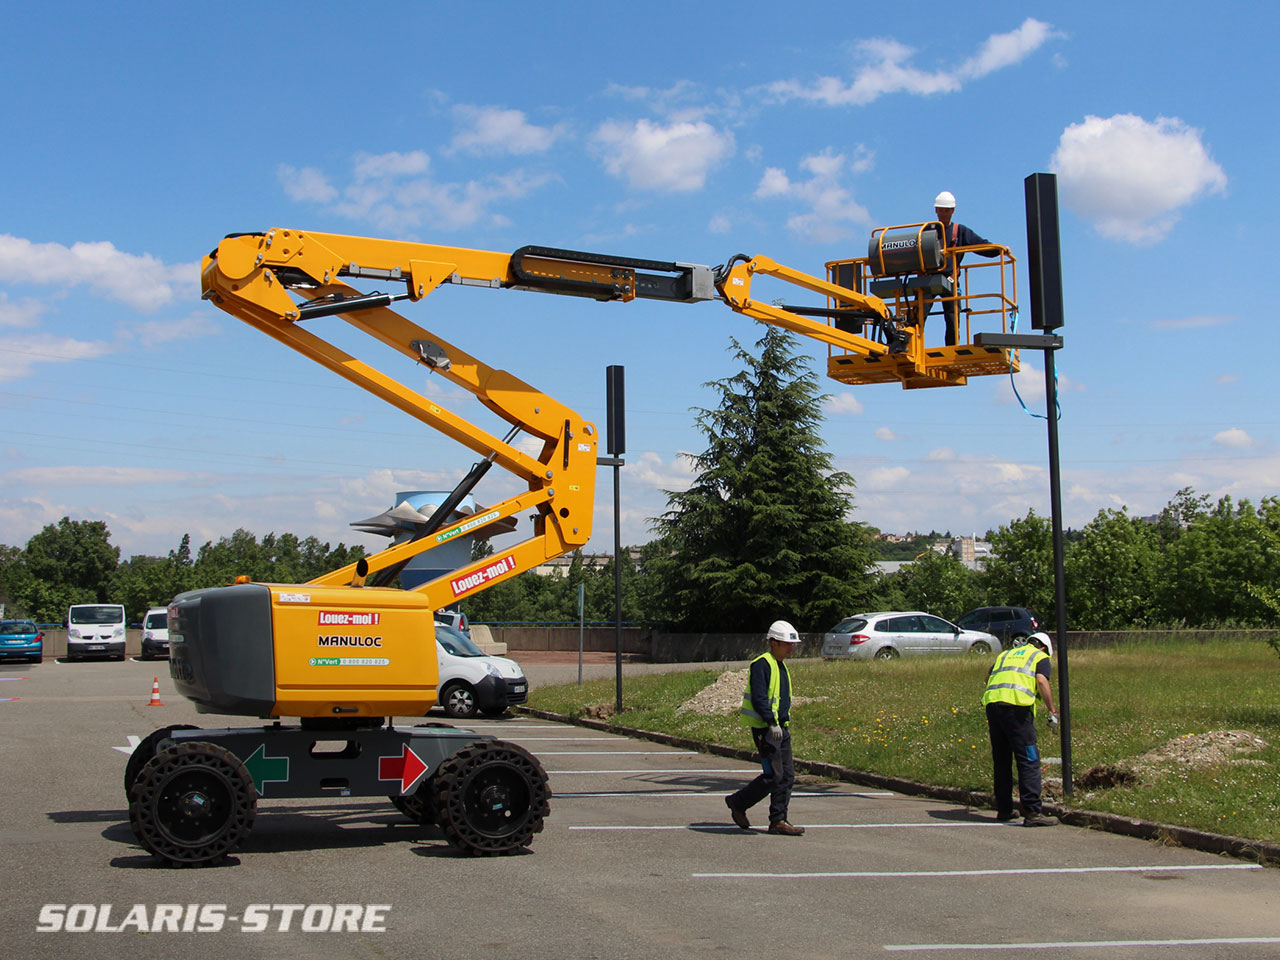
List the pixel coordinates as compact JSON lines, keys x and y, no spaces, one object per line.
{"x":346,"y":650}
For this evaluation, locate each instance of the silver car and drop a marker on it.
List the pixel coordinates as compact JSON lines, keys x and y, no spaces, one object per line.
{"x":898,"y":633}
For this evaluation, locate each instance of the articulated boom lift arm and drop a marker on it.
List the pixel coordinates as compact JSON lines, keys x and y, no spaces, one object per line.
{"x":278,"y":280}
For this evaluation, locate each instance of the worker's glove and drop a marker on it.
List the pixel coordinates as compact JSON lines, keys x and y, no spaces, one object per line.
{"x":1053,"y":720}
{"x":775,"y":734}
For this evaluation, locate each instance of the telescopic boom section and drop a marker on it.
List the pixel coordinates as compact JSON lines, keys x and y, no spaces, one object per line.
{"x":279,"y":280}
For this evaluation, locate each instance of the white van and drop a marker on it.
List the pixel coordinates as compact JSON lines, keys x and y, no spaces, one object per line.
{"x":95,"y":630}
{"x":155,"y":633}
{"x":472,"y":681}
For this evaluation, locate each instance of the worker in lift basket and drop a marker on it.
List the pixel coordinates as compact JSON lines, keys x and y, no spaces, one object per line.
{"x":1018,"y":676}
{"x":954,"y":235}
{"x":766,"y":709}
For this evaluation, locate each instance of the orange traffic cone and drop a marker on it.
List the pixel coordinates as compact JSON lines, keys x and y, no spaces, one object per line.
{"x":155,"y":694}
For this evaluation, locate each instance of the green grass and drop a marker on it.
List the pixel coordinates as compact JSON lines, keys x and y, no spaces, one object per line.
{"x":922,"y":720}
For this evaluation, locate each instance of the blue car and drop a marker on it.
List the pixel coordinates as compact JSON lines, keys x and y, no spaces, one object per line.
{"x":20,"y":640}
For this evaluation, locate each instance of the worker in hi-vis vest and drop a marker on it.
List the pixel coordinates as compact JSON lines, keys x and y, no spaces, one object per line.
{"x":766,"y":709}
{"x":1017,"y":677}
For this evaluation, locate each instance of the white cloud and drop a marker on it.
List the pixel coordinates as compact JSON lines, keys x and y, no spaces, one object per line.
{"x":843,"y":404}
{"x":1227,"y":378}
{"x":198,"y":323}
{"x":97,"y":476}
{"x":941,"y":454}
{"x":650,"y":470}
{"x":394,"y":164}
{"x":886,"y":68}
{"x":23,"y":353}
{"x":1002,"y":50}
{"x":674,"y":158}
{"x":719,"y":224}
{"x":1198,"y":320}
{"x":22,"y":313}
{"x":305,"y":185}
{"x":397,"y":191}
{"x":831,"y":209}
{"x":884,"y":433}
{"x":1029,"y":381}
{"x":1233,"y":439}
{"x":885,"y":478}
{"x":493,"y":130}
{"x":140,"y":281}
{"x":1129,"y":176}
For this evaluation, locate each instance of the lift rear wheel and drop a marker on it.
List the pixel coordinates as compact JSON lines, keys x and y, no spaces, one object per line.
{"x":420,"y":807}
{"x":192,"y":803}
{"x":491,"y":797}
{"x":145,"y":750}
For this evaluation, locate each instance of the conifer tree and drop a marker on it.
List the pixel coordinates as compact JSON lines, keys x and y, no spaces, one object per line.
{"x":763,"y":533}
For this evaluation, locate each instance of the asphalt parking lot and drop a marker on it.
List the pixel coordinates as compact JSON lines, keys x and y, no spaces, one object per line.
{"x":638,"y":860}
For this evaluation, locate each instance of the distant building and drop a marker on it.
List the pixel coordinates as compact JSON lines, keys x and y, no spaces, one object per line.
{"x":559,"y":566}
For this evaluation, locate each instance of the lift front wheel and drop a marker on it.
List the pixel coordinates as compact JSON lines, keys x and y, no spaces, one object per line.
{"x":491,"y":798}
{"x":192,"y":803}
{"x":145,"y":750}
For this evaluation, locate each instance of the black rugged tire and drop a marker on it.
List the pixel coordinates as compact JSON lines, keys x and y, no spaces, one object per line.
{"x":980,"y":647}
{"x":887,"y":653}
{"x":491,"y":797}
{"x":145,"y":750}
{"x":419,"y":806}
{"x":192,"y":803}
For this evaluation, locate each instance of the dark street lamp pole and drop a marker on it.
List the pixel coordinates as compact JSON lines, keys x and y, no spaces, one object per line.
{"x":1045,"y":267}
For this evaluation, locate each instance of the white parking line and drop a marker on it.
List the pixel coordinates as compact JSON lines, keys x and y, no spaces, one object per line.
{"x":876,"y":874}
{"x":807,"y":826}
{"x":616,"y":753}
{"x":1080,"y":944}
{"x":643,"y":795}
{"x":603,"y":740}
{"x":683,"y":770}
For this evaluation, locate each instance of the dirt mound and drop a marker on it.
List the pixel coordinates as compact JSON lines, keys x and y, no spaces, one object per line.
{"x":1192,"y":750}
{"x":724,"y":695}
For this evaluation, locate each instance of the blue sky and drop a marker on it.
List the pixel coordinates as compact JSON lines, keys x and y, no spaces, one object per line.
{"x":669,"y":131}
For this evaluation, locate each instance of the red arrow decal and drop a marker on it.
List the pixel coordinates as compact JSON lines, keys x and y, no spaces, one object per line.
{"x":408,"y":768}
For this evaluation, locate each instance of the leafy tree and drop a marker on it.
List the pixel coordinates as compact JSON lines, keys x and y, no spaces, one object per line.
{"x":1210,"y":557}
{"x":1020,"y":574}
{"x":1113,"y":572}
{"x":762,"y":531}
{"x":65,"y":563}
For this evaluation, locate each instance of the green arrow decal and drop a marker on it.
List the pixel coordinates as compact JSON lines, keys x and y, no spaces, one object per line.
{"x":266,"y":769}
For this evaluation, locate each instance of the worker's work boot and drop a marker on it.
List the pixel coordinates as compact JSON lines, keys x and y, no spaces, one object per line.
{"x":786,"y":829}
{"x":1039,"y":820}
{"x":739,"y":816}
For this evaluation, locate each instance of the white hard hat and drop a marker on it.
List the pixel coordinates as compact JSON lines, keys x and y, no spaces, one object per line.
{"x":783,"y":632}
{"x":946,"y":200}
{"x":1042,"y":639}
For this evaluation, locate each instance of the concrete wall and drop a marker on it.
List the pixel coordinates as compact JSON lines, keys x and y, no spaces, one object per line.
{"x":55,"y":642}
{"x":659,"y":647}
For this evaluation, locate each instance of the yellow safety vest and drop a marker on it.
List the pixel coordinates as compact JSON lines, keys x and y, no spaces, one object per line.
{"x":1013,"y":677}
{"x":748,"y":713}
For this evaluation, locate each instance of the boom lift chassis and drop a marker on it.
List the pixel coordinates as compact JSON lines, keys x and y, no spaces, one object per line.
{"x":193,"y":792}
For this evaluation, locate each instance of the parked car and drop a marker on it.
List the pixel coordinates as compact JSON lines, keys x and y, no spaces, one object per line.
{"x":897,"y":633}
{"x":21,"y":640}
{"x":472,"y":681}
{"x":454,"y":618}
{"x":155,"y":633}
{"x":1010,"y":624}
{"x":95,"y":630}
